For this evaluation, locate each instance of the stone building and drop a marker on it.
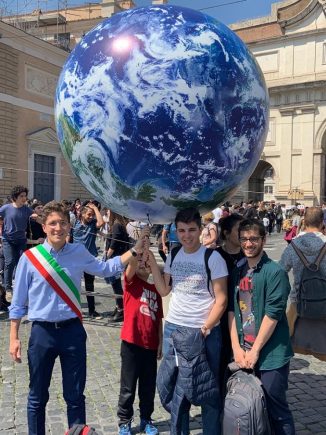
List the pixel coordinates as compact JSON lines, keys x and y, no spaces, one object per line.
{"x":29,"y":149}
{"x":290,"y":47}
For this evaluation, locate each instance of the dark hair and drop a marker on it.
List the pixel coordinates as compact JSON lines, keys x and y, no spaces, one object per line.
{"x":228,"y":222}
{"x":313,"y":217}
{"x":54,"y":207}
{"x":36,"y":204}
{"x":254,"y":225}
{"x":188,"y":215}
{"x":17,"y":190}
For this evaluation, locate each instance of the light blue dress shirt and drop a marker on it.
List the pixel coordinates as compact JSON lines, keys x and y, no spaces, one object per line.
{"x":33,"y":295}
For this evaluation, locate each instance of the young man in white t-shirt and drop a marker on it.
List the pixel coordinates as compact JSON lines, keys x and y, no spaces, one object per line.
{"x":192,"y":304}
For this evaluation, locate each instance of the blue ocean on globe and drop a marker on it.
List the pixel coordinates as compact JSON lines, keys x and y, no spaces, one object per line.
{"x":161,"y":108}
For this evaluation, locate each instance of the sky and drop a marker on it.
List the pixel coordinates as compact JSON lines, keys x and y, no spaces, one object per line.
{"x":227,"y":11}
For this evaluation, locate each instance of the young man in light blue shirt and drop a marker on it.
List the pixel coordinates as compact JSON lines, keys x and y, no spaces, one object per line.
{"x":56,"y":330}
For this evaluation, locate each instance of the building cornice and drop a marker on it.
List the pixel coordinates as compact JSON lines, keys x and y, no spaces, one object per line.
{"x":294,"y":86}
{"x":31,"y":45}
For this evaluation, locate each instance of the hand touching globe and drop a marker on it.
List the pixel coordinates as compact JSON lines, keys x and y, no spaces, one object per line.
{"x":161,"y":108}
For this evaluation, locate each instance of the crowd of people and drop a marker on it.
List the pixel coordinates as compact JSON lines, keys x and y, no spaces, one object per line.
{"x":229,"y":301}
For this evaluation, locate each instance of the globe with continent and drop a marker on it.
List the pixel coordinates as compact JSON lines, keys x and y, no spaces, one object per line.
{"x":161,"y":108}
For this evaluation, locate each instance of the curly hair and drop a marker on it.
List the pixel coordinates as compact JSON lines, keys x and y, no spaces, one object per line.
{"x":17,"y":190}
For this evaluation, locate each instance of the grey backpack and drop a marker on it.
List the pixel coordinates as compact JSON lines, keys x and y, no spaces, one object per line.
{"x":311,"y":298}
{"x":245,"y":411}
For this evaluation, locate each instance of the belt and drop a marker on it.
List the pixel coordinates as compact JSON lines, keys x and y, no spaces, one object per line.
{"x":56,"y":325}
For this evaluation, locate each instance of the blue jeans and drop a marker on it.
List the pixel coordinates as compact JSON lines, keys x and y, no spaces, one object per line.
{"x":46,"y":343}
{"x":12,"y":251}
{"x":210,"y":414}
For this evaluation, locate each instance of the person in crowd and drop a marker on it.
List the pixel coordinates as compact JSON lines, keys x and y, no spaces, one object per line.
{"x":261,"y":210}
{"x":250,"y":212}
{"x":133,"y":229}
{"x":85,"y":232}
{"x":141,"y":346}
{"x":117,"y":243}
{"x":232,"y":253}
{"x":76,"y":207}
{"x":195,"y":303}
{"x":266,"y":222}
{"x":34,"y":233}
{"x":209,"y":233}
{"x":218,"y":213}
{"x":15,"y":218}
{"x":258,"y":326}
{"x":271,"y":220}
{"x":169,"y":237}
{"x":308,"y":334}
{"x":47,"y":289}
{"x":279,"y":218}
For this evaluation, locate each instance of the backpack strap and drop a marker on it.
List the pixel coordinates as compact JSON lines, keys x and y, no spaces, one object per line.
{"x":174,"y":252}
{"x":208,"y":253}
{"x":321,"y":255}
{"x":77,"y":429}
{"x":300,"y":255}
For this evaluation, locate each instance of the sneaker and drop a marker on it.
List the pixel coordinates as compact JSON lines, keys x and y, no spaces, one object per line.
{"x":118,"y":316}
{"x":125,"y":429}
{"x":112,"y":313}
{"x":147,"y":427}
{"x":95,"y":315}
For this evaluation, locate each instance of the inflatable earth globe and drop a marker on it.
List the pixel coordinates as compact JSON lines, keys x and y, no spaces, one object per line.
{"x":161,"y":108}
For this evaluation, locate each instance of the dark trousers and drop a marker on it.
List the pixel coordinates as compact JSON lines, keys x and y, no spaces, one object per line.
{"x":117,"y":289}
{"x":46,"y":343}
{"x":275,"y":384}
{"x":12,"y":252}
{"x":89,"y":287}
{"x":137,"y":364}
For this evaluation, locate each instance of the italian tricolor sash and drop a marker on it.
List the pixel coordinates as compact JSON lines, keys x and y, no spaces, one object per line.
{"x":56,"y":277}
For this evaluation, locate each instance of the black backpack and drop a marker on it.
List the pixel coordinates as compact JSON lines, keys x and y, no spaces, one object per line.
{"x":245,"y":410}
{"x":208,"y":253}
{"x":311,"y":298}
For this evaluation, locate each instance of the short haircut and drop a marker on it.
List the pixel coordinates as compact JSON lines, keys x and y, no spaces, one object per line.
{"x":54,"y":207}
{"x":36,"y":204}
{"x":228,"y":222}
{"x":252,"y":225}
{"x":313,"y":217}
{"x":188,"y":215}
{"x":17,"y":190}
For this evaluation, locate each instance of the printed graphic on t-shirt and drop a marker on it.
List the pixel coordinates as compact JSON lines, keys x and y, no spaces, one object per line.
{"x":189,"y":283}
{"x":245,"y":304}
{"x":148,"y":304}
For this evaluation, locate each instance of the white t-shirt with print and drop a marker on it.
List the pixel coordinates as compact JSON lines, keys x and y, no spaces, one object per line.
{"x":191,"y":302}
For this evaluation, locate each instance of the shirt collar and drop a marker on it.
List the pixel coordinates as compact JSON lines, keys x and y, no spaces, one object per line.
{"x":49,"y":248}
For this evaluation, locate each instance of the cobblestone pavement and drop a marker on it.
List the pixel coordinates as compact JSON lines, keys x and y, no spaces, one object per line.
{"x":306,"y":395}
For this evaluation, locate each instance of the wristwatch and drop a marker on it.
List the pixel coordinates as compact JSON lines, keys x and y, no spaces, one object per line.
{"x":206,"y":331}
{"x":133,"y":252}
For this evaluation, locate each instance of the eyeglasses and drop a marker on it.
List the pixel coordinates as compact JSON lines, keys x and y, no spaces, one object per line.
{"x":253,"y":240}
{"x":53,"y":224}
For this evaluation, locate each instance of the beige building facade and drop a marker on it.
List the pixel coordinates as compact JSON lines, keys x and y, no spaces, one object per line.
{"x":29,"y":148}
{"x":290,"y":47}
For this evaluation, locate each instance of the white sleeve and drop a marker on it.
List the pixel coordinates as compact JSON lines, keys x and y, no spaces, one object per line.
{"x":217,"y":266}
